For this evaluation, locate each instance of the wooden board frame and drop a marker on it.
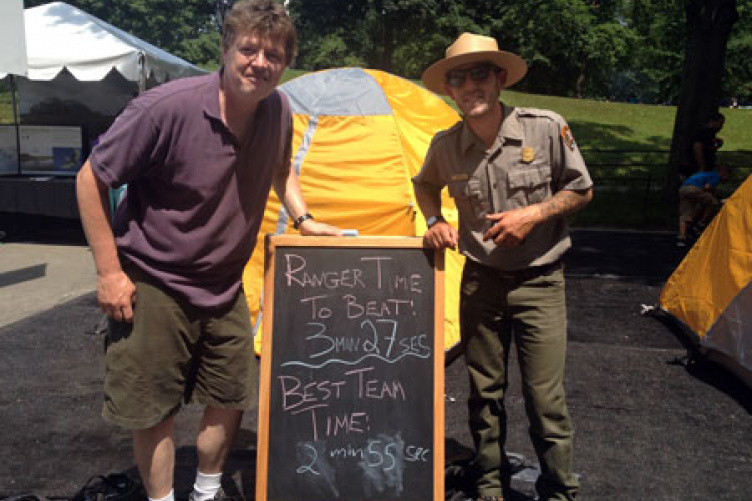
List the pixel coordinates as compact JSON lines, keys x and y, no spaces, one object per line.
{"x":272,"y":243}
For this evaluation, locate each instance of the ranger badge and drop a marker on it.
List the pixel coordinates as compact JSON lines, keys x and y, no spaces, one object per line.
{"x":528,"y":154}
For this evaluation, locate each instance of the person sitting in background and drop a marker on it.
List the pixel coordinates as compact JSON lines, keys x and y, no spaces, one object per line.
{"x":705,"y":144}
{"x":697,"y":200}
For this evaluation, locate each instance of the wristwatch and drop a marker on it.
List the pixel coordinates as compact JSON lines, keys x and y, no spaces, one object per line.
{"x":301,"y":219}
{"x":433,"y":220}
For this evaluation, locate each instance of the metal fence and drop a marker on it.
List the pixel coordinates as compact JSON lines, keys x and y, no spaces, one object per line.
{"x":629,"y":186}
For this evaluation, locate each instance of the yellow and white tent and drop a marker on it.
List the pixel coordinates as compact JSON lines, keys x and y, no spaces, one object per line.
{"x":360,"y":135}
{"x":710,"y":292}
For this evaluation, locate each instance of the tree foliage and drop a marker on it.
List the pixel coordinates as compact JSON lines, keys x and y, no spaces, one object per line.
{"x":611,"y":49}
{"x":737,"y":79}
{"x":572,"y":46}
{"x":654,"y":74}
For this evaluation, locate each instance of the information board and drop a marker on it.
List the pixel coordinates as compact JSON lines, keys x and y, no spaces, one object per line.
{"x":51,"y":149}
{"x":352,"y":389}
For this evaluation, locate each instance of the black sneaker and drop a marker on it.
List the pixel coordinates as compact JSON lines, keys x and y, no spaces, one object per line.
{"x":219,"y":496}
{"x":112,"y":487}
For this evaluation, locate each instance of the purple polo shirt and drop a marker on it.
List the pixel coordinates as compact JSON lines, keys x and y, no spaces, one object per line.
{"x":196,"y":195}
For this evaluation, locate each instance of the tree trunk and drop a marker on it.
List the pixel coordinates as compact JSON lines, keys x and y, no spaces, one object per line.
{"x":709,"y":25}
{"x":388,"y":44}
{"x":580,"y":84}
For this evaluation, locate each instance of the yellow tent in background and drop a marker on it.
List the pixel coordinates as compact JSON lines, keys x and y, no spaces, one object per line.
{"x":360,"y":135}
{"x":710,"y":292}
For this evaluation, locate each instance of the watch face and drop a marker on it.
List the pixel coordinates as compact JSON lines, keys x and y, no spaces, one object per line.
{"x":432,"y":220}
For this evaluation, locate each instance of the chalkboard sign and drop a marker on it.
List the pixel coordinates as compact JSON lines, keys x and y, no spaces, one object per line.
{"x":352,"y":392}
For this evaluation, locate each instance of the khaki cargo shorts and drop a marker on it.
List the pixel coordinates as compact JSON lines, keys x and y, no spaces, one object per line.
{"x":694,"y":203}
{"x":173,"y":354}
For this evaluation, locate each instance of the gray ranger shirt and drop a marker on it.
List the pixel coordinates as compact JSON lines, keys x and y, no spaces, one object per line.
{"x":533,"y":157}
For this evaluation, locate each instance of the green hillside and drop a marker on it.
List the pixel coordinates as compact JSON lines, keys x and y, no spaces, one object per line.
{"x":606,"y":125}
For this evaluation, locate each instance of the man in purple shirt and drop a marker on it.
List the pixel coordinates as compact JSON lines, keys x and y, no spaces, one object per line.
{"x":199,"y":156}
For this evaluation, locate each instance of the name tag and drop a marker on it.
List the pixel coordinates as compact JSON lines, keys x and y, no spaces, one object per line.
{"x":460,"y":177}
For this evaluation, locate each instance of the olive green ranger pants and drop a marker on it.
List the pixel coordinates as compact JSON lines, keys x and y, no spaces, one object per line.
{"x":529,"y":308}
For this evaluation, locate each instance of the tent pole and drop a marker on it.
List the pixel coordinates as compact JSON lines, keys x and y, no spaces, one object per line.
{"x":13,"y":97}
{"x":142,"y":77}
{"x":12,"y":82}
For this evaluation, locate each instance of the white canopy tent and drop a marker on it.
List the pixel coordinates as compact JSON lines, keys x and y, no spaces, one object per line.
{"x":12,"y":40}
{"x":79,"y":73}
{"x":60,"y":36}
{"x":77,"y":62}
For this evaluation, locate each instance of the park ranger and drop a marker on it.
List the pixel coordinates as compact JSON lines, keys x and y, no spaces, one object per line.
{"x":514,"y":174}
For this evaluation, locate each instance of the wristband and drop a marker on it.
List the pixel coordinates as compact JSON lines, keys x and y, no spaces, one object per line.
{"x":300,"y":220}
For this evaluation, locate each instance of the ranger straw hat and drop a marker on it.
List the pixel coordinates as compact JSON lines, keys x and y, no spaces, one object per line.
{"x":470,"y":48}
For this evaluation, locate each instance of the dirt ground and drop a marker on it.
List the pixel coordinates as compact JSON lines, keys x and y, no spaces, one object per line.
{"x":648,"y":425}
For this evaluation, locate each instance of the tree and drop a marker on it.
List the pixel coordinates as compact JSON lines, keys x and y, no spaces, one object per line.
{"x":330,"y":33}
{"x":370,"y":33}
{"x":709,"y":24}
{"x":578,"y":57}
{"x":655,"y":73}
{"x":737,"y":78}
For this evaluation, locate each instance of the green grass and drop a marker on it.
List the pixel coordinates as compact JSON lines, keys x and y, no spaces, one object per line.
{"x":603,"y":125}
{"x":290,"y":74}
{"x":622,"y":126}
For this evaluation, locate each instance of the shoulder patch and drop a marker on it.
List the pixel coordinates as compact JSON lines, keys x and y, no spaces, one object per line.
{"x":567,"y":137}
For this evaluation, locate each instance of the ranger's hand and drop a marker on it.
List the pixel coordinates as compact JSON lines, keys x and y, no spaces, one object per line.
{"x":509,"y":229}
{"x":441,"y":235}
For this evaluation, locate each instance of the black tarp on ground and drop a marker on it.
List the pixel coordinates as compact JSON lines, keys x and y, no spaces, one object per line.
{"x":648,"y":427}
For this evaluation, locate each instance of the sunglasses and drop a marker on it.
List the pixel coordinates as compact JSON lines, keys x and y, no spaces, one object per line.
{"x":479,"y":73}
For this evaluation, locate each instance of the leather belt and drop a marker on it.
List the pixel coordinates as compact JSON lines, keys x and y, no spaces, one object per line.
{"x":521,"y":274}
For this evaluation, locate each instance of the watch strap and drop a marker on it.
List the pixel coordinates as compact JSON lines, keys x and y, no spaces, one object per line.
{"x":433,"y":220}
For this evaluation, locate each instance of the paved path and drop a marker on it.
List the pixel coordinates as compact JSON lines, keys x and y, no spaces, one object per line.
{"x":37,"y":277}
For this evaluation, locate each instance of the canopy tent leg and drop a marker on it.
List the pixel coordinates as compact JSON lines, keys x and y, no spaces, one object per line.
{"x":12,"y":83}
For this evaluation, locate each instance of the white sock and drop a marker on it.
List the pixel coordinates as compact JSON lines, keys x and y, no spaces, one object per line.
{"x":169,"y":497}
{"x":206,"y":485}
